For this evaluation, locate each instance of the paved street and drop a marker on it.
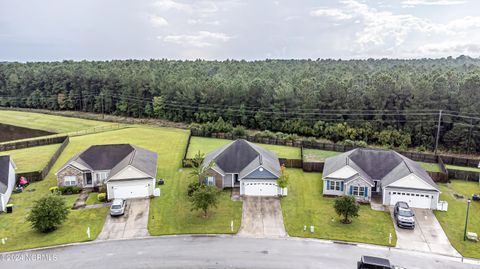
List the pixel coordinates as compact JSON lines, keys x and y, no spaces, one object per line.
{"x":262,"y":218}
{"x":428,"y":235}
{"x":224,"y":252}
{"x":131,"y":225}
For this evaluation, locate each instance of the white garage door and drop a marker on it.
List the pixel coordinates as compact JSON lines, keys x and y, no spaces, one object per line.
{"x":133,"y":191}
{"x":260,"y":188}
{"x":417,"y":200}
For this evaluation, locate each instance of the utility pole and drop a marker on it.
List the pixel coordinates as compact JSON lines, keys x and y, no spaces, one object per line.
{"x":438,"y":131}
{"x":466,"y":221}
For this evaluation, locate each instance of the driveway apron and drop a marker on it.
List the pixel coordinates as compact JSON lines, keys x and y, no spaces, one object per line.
{"x":262,"y":218}
{"x":132,"y":224}
{"x":428,"y":235}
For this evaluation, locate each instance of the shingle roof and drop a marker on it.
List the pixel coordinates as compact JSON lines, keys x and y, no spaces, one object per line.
{"x":4,"y":171}
{"x":115,"y":157}
{"x":372,"y":164}
{"x":241,"y":157}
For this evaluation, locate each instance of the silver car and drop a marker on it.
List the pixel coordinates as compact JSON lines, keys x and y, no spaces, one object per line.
{"x":118,"y":207}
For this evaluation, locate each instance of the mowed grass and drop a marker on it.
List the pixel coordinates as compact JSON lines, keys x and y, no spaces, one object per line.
{"x":51,"y":123}
{"x":463,"y":168}
{"x":431,"y":167}
{"x":317,"y":155}
{"x":453,"y":221}
{"x":171,"y":212}
{"x":206,"y":145}
{"x":31,"y":159}
{"x":305,"y":205}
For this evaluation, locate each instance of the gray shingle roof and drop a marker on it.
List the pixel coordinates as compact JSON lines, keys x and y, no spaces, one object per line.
{"x":4,"y":171}
{"x":372,"y":164}
{"x":115,"y":157}
{"x":242,"y":157}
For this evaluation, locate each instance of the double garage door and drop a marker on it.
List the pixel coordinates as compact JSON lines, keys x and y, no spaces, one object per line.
{"x":130,"y":191}
{"x":260,"y":188}
{"x":416,"y":200}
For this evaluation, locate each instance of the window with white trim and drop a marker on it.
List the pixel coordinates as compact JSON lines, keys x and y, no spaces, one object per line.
{"x":101,"y":177}
{"x":358,"y":191}
{"x":210,"y":180}
{"x":69,"y":180}
{"x":334,"y":185}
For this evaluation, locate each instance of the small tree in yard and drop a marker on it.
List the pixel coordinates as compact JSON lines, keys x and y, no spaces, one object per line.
{"x":283,"y":179}
{"x":346,"y":206}
{"x":204,"y":198}
{"x":200,"y":171}
{"x":48,"y":213}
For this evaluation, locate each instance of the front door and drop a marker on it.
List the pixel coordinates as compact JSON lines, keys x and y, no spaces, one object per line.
{"x":88,"y":179}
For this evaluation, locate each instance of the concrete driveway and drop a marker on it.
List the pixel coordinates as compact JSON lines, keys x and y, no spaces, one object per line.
{"x":131,"y":225}
{"x":262,"y":218}
{"x":428,"y":235}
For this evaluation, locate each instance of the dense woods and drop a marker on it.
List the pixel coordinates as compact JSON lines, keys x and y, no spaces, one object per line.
{"x":387,"y":102}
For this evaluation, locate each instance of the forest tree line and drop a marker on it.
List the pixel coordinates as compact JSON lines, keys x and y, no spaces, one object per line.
{"x":397,"y":101}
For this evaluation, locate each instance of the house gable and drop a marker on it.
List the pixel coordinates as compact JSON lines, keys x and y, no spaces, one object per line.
{"x":411,"y":181}
{"x":342,"y":173}
{"x":260,"y":173}
{"x":128,"y":172}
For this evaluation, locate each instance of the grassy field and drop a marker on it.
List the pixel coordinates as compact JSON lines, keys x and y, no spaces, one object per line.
{"x":31,"y":159}
{"x":463,"y":168}
{"x":453,"y":221}
{"x":92,"y":199}
{"x":316,"y":155}
{"x":431,"y":167}
{"x":305,"y":205}
{"x":51,"y":123}
{"x":205,"y":145}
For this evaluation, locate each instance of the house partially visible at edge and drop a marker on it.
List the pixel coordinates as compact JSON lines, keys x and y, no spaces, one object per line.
{"x":128,"y":171}
{"x":386,"y":174}
{"x":7,"y":180}
{"x":244,"y":165}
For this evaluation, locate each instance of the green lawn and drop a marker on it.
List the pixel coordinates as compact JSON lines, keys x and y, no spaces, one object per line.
{"x":464,"y":168}
{"x":453,"y":221}
{"x":92,"y":199}
{"x":205,"y":145}
{"x":305,"y":205}
{"x":316,"y":155}
{"x":431,"y":167}
{"x":51,"y":123}
{"x":31,"y":159}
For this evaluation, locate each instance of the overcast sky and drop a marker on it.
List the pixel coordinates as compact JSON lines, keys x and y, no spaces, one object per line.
{"x":48,"y":30}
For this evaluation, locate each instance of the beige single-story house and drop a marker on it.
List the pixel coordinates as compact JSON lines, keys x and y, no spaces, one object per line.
{"x":128,"y":171}
{"x":7,"y":180}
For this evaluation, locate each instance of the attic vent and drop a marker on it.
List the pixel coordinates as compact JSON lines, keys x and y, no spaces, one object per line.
{"x":261,"y":169}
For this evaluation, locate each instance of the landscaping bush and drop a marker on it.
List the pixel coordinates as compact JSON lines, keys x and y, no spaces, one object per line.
{"x":53,"y":189}
{"x":239,"y":130}
{"x":346,"y":206}
{"x":192,"y":187}
{"x":102,"y":197}
{"x":48,"y":213}
{"x":66,"y":190}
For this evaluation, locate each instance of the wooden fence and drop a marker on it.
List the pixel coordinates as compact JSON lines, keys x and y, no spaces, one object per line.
{"x":463,"y":175}
{"x":32,"y":143}
{"x":40,"y":175}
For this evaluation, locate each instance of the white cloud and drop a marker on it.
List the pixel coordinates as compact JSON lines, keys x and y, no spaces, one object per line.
{"x":158,"y":21}
{"x":172,"y":5}
{"x":200,"y":40}
{"x":203,"y":22}
{"x":331,"y":12}
{"x":412,"y":3}
{"x":450,"y":47}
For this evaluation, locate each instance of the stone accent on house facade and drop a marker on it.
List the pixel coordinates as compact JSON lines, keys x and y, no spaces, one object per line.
{"x":69,"y":171}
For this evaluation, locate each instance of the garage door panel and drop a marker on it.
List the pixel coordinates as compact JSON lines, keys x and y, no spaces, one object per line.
{"x":133,"y":191}
{"x":416,"y":200}
{"x":260,"y":188}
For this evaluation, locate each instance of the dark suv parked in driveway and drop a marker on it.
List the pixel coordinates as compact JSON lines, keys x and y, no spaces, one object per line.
{"x":404,"y":216}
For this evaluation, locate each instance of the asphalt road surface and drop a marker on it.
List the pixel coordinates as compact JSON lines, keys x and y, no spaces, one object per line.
{"x":219,"y":252}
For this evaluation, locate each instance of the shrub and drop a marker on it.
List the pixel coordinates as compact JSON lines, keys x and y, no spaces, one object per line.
{"x":361,"y":144}
{"x":192,"y":187}
{"x":54,"y":189}
{"x":348,"y":142}
{"x":48,"y":213}
{"x":239,"y":130}
{"x":346,"y":206}
{"x":102,"y":197}
{"x":69,"y":189}
{"x":310,"y":139}
{"x":291,"y":137}
{"x":205,"y":197}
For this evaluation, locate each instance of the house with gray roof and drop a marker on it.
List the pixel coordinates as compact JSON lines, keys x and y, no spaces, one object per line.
{"x":128,"y":171}
{"x":7,"y":180}
{"x":364,"y":173}
{"x":244,"y":165}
